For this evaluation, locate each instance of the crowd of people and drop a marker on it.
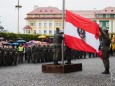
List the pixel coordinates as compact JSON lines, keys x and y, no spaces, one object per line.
{"x":37,"y":53}
{"x":13,"y":55}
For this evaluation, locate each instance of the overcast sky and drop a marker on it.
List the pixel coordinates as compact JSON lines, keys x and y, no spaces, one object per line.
{"x":8,"y":12}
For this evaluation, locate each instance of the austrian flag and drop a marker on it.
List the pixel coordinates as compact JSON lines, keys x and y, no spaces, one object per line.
{"x":81,"y":33}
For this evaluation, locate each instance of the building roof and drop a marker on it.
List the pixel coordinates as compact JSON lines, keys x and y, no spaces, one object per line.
{"x":27,"y":27}
{"x":46,"y":10}
{"x":107,"y":10}
{"x":86,"y":13}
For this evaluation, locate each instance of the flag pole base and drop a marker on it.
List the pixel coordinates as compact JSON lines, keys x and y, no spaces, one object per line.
{"x":67,"y":68}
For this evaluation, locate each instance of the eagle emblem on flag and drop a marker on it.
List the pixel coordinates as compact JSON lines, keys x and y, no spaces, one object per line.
{"x":82,"y":34}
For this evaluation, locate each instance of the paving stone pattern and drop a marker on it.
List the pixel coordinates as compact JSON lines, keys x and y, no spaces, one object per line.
{"x":31,"y":75}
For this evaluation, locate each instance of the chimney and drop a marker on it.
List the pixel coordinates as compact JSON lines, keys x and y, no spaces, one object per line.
{"x":36,"y":6}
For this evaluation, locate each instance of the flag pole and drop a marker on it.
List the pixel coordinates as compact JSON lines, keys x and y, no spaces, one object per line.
{"x":63,"y":13}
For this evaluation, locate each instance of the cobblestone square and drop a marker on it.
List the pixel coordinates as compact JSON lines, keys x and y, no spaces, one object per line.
{"x":31,"y":75}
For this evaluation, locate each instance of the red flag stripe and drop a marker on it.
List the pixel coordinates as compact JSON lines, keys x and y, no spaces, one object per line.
{"x":77,"y":44}
{"x":82,"y":23}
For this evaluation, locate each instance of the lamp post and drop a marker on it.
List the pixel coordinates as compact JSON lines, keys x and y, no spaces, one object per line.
{"x":18,"y":7}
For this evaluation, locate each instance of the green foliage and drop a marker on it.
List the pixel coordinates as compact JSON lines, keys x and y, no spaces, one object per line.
{"x":14,"y":37}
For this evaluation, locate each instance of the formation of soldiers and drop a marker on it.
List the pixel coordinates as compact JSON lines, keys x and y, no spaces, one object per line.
{"x":37,"y":54}
{"x":8,"y":56}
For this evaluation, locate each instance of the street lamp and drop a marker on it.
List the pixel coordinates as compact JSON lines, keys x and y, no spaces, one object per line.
{"x":18,"y":7}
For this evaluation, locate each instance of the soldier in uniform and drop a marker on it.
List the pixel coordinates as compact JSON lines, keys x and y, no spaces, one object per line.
{"x":1,"y":56}
{"x":57,"y":40}
{"x":10,"y":57}
{"x":105,"y":50}
{"x":44,"y":54}
{"x":68,"y":55}
{"x":5,"y":56}
{"x":15,"y":56}
{"x":34,"y":53}
{"x":28,"y":51}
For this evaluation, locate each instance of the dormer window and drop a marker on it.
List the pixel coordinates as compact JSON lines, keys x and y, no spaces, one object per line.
{"x":105,"y":10}
{"x":111,"y":10}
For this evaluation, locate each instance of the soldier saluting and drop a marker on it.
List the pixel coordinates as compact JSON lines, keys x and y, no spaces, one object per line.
{"x":57,"y":40}
{"x":105,"y":49}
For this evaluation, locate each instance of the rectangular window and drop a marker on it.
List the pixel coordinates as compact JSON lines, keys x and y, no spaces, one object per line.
{"x":50,"y":16}
{"x":107,"y":24}
{"x":28,"y":31}
{"x":50,"y":31}
{"x":40,"y":32}
{"x":56,"y":24}
{"x":59,"y":24}
{"x":100,"y":24}
{"x":107,"y":16}
{"x":45,"y":24}
{"x":40,"y":16}
{"x":57,"y":16}
{"x":32,"y":24}
{"x":45,"y":32}
{"x":32,"y":15}
{"x":40,"y":24}
{"x":97,"y":15}
{"x":34,"y":31}
{"x":100,"y":16}
{"x":50,"y":24}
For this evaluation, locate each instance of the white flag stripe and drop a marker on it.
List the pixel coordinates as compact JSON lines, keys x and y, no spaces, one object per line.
{"x":71,"y":30}
{"x":92,"y":41}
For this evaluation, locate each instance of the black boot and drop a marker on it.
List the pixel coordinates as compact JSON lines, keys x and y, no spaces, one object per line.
{"x":106,"y":71}
{"x":68,"y":62}
{"x":56,"y":62}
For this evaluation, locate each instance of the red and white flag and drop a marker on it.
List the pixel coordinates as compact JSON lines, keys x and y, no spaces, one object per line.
{"x":81,"y":33}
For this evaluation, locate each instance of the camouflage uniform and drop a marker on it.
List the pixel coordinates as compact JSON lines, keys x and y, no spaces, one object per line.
{"x":57,"y":40}
{"x":5,"y":56}
{"x":1,"y":56}
{"x":15,"y":57}
{"x":105,"y":50}
{"x":68,"y":55}
{"x":28,"y":51}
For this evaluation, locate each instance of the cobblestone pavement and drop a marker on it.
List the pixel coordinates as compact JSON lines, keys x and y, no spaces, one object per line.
{"x":31,"y":75}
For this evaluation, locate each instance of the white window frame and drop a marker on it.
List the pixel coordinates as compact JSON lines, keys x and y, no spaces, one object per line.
{"x":45,"y":24}
{"x":107,"y":15}
{"x":40,"y":31}
{"x":45,"y":31}
{"x":34,"y":31}
{"x":100,"y":15}
{"x":100,"y":24}
{"x":50,"y":31}
{"x":50,"y":16}
{"x":40,"y":24}
{"x":32,"y":24}
{"x":50,"y":24}
{"x":107,"y":24}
